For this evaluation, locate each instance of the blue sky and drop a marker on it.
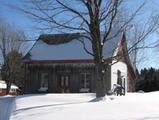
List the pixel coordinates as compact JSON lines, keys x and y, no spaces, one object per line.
{"x":17,"y":18}
{"x":24,"y":23}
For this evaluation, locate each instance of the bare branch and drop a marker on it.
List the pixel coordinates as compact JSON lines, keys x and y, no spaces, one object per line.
{"x":114,"y":13}
{"x":84,"y":47}
{"x":74,"y":11}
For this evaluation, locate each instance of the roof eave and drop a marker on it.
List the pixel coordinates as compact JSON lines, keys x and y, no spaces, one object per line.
{"x":64,"y":61}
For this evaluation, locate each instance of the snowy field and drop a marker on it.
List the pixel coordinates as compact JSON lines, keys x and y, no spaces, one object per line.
{"x":133,"y":106}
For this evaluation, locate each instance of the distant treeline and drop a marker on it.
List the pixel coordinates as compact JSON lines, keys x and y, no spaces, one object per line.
{"x":148,"y":80}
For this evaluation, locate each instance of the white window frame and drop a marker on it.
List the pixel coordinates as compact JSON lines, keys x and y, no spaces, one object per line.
{"x":85,"y":88}
{"x":43,"y":85}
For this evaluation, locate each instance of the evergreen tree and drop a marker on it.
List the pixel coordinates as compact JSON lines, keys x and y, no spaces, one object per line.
{"x":148,"y":80}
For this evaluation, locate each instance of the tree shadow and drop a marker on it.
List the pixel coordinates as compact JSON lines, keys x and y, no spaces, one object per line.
{"x":44,"y":106}
{"x":31,"y":95}
{"x":98,"y":99}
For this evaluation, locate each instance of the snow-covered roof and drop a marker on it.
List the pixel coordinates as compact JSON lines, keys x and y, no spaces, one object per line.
{"x":68,"y":47}
{"x":4,"y":86}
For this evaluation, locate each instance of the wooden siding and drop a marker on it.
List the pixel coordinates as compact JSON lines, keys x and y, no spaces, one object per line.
{"x":33,"y":71}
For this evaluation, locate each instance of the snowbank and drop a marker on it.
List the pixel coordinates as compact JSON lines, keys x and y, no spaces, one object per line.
{"x":6,"y":107}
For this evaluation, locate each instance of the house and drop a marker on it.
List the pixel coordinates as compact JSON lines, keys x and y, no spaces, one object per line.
{"x":57,"y":63}
{"x":3,"y":87}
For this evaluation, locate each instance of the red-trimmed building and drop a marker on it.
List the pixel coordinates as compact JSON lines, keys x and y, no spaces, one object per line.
{"x":3,"y":87}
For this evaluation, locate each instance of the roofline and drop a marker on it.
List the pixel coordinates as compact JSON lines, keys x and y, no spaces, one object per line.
{"x":30,"y":48}
{"x":59,"y":34}
{"x":127,"y":58}
{"x":63,"y":61}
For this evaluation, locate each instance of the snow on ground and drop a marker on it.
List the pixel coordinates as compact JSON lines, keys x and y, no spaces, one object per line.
{"x":133,"y":106}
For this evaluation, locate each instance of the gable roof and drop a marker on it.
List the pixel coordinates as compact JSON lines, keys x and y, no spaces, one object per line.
{"x":68,"y":47}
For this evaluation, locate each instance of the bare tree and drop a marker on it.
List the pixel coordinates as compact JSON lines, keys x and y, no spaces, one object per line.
{"x":94,"y":17}
{"x":137,"y":35}
{"x":10,"y":40}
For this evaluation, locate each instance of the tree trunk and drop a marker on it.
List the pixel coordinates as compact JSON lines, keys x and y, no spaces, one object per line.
{"x":8,"y":80}
{"x":100,"y":82}
{"x":8,"y":83}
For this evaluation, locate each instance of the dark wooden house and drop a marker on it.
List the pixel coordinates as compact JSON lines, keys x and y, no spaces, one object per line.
{"x":57,"y":63}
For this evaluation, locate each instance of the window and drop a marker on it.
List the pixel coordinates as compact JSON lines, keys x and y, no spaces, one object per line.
{"x":120,"y":83}
{"x":119,"y":78}
{"x":44,"y":77}
{"x":12,"y":90}
{"x":64,"y":83}
{"x":85,"y":82}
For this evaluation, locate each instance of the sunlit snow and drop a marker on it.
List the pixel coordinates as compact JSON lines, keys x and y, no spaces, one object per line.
{"x":133,"y":106}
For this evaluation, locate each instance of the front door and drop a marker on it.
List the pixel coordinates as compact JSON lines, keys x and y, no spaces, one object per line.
{"x":64,"y":81}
